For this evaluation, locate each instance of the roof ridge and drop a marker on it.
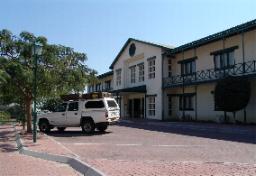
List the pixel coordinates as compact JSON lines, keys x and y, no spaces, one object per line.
{"x":216,"y":36}
{"x":154,"y":43}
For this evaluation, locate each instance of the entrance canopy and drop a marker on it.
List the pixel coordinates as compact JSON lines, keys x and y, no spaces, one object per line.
{"x":139,"y":89}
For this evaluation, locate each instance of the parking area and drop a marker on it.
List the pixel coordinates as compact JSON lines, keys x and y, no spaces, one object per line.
{"x":165,"y":149}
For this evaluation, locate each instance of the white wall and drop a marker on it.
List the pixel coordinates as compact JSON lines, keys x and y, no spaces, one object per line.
{"x":205,"y":104}
{"x":205,"y":99}
{"x":143,"y":52}
{"x":205,"y":60}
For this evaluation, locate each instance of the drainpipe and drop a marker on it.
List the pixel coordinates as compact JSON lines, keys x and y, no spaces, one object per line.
{"x":223,"y":47}
{"x":243,"y":57}
{"x":120,"y":99}
{"x":145,"y":105}
{"x":183,"y":89}
{"x":162,"y":87}
{"x":195,"y":91}
{"x":243,"y":51}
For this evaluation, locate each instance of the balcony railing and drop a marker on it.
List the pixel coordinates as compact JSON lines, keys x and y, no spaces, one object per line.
{"x":239,"y":69}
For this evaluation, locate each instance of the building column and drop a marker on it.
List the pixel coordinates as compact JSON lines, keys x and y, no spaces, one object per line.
{"x":145,"y":105}
{"x":196,"y":103}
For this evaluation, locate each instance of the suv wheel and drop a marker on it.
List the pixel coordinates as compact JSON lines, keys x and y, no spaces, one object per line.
{"x":61,"y":129}
{"x":44,"y":126}
{"x":88,"y":126}
{"x":102,"y":128}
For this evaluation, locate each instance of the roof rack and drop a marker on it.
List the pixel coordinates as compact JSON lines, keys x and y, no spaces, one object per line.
{"x":92,"y":95}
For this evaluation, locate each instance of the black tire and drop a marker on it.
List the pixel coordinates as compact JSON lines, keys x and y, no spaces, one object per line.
{"x":88,"y":126}
{"x":44,"y":126}
{"x":102,"y":128}
{"x":61,"y":129}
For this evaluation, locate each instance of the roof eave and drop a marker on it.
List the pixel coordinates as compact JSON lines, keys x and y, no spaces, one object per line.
{"x":248,"y":26}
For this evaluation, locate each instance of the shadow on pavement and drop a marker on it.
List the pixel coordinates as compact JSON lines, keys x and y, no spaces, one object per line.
{"x":69,"y":133}
{"x":7,"y":148}
{"x":7,"y":141}
{"x":212,"y":133}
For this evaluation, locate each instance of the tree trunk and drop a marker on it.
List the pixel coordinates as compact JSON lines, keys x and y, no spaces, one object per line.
{"x":23,"y":120}
{"x":28,"y":109}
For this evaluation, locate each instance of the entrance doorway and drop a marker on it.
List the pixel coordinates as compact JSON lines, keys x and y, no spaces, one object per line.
{"x":136,"y":108}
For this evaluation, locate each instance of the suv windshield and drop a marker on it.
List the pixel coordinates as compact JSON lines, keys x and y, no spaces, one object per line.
{"x":112,"y":104}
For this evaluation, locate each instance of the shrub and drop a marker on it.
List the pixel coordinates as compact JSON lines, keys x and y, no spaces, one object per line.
{"x":4,"y":116}
{"x":232,"y":94}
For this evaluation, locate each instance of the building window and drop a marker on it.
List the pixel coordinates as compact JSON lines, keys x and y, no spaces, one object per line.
{"x":186,"y":102}
{"x":151,"y":106}
{"x":188,"y":68}
{"x":108,"y":85}
{"x":141,"y":72}
{"x":133,"y":74}
{"x":169,"y":105}
{"x":151,"y":68}
{"x":224,"y":60}
{"x":169,"y":68}
{"x":98,"y":87}
{"x":89,"y":89}
{"x":118,"y":77}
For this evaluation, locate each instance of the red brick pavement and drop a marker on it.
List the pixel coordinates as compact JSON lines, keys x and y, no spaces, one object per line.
{"x":44,"y":144}
{"x":105,"y":153}
{"x":125,"y":167}
{"x":15,"y":164}
{"x":161,"y":168}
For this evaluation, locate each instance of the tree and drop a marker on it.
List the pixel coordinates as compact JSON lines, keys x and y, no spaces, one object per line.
{"x":232,"y":94}
{"x":50,"y":104}
{"x":60,"y":69}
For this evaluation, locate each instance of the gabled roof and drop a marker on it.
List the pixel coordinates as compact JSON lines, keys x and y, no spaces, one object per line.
{"x":109,"y":73}
{"x":250,"y":25}
{"x":141,"y":41}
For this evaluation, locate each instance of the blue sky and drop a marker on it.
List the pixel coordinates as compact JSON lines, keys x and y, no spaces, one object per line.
{"x":99,"y":28}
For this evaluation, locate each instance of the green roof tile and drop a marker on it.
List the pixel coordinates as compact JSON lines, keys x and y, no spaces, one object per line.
{"x":217,"y":36}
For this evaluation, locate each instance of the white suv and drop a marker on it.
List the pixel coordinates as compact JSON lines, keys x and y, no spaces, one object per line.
{"x":88,"y":114}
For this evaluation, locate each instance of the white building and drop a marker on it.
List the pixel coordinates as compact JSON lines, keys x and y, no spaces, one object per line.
{"x":172,"y":83}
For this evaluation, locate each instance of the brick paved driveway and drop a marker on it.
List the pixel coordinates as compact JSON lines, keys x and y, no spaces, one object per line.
{"x":178,"y":149}
{"x":14,"y":164}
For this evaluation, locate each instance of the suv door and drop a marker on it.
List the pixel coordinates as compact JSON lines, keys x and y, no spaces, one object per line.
{"x":73,"y":116}
{"x":58,"y":118}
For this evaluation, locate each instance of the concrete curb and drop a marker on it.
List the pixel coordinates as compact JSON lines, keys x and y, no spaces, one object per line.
{"x":75,"y":163}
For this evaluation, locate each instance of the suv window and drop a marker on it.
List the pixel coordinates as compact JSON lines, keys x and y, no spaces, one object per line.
{"x":61,"y":108}
{"x":112,"y":104}
{"x":94,"y":104}
{"x":73,"y":106}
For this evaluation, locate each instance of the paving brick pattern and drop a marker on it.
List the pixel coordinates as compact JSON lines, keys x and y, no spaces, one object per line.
{"x":44,"y":144}
{"x":161,"y":168}
{"x":14,"y":164}
{"x":146,"y":150}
